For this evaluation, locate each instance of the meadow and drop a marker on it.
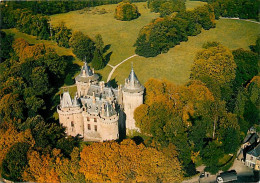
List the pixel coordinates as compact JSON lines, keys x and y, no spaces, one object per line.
{"x":120,"y":36}
{"x":174,"y":65}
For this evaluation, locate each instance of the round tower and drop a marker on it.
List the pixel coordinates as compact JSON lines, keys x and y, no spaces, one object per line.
{"x":133,"y":92}
{"x":70,"y":114}
{"x":109,"y":122}
{"x":84,"y":79}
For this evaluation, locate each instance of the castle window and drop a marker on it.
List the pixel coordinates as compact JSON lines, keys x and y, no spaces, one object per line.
{"x":95,"y":127}
{"x":89,"y":127}
{"x":83,"y":109}
{"x":68,"y":117}
{"x":95,"y":119}
{"x":72,"y":124}
{"x":87,"y":118}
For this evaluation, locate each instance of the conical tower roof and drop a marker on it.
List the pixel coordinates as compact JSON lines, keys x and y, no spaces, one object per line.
{"x":132,"y":84}
{"x":66,"y":100}
{"x":86,"y":74}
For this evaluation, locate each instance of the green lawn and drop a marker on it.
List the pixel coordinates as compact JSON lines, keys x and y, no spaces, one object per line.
{"x":121,"y":35}
{"x":193,"y":4}
{"x":175,"y":65}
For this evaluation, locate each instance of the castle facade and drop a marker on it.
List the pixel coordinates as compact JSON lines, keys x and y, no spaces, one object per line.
{"x":95,"y":112}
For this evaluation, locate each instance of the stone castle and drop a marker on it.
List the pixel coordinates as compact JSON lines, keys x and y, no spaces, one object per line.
{"x":98,"y":112}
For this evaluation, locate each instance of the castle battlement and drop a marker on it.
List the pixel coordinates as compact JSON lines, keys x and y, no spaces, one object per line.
{"x":94,"y":111}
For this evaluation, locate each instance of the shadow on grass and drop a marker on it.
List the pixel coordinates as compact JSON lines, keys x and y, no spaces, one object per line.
{"x":112,"y":83}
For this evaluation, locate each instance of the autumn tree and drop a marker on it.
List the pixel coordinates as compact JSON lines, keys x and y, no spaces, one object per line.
{"x":9,"y":136}
{"x":126,"y":11}
{"x":41,"y":168}
{"x":215,"y":66}
{"x":110,"y":161}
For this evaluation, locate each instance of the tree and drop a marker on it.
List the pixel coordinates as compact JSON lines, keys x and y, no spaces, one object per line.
{"x":15,"y":162}
{"x":98,"y":60}
{"x":6,"y":48}
{"x":11,"y":107}
{"x":41,"y":168}
{"x":9,"y":136}
{"x":99,"y":43}
{"x":211,"y":154}
{"x":110,"y":161}
{"x":215,"y":67}
{"x":82,"y":45}
{"x":171,"y":6}
{"x":247,"y":66}
{"x":62,"y":35}
{"x":126,"y":11}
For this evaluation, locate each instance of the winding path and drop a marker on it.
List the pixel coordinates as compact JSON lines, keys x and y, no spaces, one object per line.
{"x":240,"y":19}
{"x":114,"y":67}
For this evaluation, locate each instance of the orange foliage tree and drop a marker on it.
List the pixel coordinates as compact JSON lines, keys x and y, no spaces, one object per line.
{"x":113,"y":162}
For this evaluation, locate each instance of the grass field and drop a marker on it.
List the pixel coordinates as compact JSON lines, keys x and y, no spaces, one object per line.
{"x":193,"y":4}
{"x":174,"y":65}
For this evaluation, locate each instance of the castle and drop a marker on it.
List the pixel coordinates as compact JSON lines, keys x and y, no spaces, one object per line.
{"x":97,"y":111}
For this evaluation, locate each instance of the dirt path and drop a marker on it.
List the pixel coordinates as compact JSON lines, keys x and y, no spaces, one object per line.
{"x":240,"y":19}
{"x":114,"y":67}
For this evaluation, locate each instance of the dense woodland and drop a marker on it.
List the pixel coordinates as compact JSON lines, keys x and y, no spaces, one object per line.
{"x":204,"y":119}
{"x":246,"y":9}
{"x":210,"y":115}
{"x":164,"y":33}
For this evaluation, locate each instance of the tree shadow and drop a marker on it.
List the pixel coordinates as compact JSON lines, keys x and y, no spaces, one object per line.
{"x":107,"y":57}
{"x":99,"y":76}
{"x":138,"y":140}
{"x":106,"y":48}
{"x":112,"y":83}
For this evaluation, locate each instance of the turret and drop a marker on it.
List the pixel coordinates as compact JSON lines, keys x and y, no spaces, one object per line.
{"x":70,"y":114}
{"x":84,"y":79}
{"x":133,"y":92}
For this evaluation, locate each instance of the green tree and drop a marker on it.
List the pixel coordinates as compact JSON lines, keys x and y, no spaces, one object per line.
{"x":211,"y":154}
{"x":62,"y":35}
{"x":15,"y":162}
{"x":6,"y":48}
{"x":98,"y":60}
{"x":99,"y":43}
{"x":247,"y":66}
{"x":83,"y":46}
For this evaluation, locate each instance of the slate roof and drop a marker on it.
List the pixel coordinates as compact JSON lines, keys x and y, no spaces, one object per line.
{"x":251,"y":138}
{"x":86,"y":74}
{"x":256,"y":151}
{"x":66,"y":100}
{"x":132,"y":84}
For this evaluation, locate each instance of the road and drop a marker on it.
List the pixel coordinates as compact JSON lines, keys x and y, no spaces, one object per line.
{"x":114,"y":67}
{"x":244,"y":174}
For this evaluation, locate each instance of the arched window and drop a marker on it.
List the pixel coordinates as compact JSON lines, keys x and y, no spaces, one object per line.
{"x":72,"y":123}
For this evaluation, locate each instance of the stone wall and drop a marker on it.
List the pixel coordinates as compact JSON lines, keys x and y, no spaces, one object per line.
{"x":131,"y":101}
